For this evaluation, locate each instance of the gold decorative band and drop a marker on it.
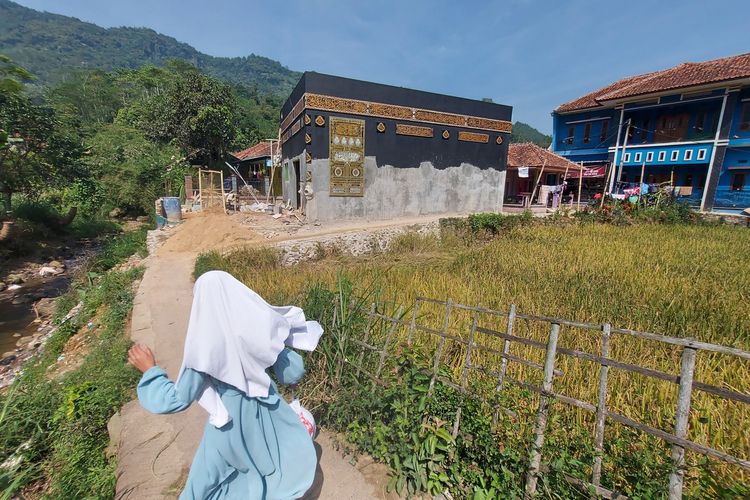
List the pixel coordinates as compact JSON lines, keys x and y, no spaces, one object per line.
{"x":403,"y":129}
{"x":296,"y":110}
{"x":381,"y":110}
{"x":329,"y":103}
{"x":437,"y":117}
{"x":473,"y":137}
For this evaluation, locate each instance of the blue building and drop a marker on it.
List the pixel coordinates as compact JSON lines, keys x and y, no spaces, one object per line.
{"x":688,"y":125}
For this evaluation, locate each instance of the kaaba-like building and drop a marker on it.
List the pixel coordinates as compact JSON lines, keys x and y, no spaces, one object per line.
{"x":354,"y":149}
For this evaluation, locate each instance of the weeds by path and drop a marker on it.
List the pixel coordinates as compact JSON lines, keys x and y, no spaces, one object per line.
{"x":54,"y":427}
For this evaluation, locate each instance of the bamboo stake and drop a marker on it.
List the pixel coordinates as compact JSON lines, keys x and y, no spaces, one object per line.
{"x":536,"y":184}
{"x":611,"y":177}
{"x":643,"y":172}
{"x":580,"y":185}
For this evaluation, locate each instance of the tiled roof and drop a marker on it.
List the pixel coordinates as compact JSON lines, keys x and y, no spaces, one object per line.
{"x":591,"y":100}
{"x":527,"y":154}
{"x":680,"y":76}
{"x":260,"y":150}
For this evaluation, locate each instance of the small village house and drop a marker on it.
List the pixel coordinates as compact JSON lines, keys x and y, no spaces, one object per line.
{"x":688,"y":126}
{"x":254,"y":164}
{"x":533,"y":173}
{"x":353,"y":149}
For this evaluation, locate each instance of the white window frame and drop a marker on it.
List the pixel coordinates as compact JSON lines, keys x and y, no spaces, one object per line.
{"x":637,"y":157}
{"x":649,"y":156}
{"x":688,"y":155}
{"x":662,"y":156}
{"x":626,"y":158}
{"x":702,"y":154}
{"x":675,"y":155}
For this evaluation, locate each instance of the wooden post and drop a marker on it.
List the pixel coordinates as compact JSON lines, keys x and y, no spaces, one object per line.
{"x":601,"y":410}
{"x":221,"y":191}
{"x":385,"y":345}
{"x":465,"y":370}
{"x":687,"y":368}
{"x":200,"y":187}
{"x":504,"y":361}
{"x":562,"y":184}
{"x":640,"y":187}
{"x":441,"y":345}
{"x":370,"y":320}
{"x":413,"y":324}
{"x":580,"y":186}
{"x":536,"y":184}
{"x":610,"y":180}
{"x":535,"y":458}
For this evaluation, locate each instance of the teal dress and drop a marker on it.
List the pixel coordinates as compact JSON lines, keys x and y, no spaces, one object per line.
{"x":263,"y":453}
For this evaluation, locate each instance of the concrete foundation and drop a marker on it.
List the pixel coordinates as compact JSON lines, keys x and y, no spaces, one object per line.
{"x":402,"y":192}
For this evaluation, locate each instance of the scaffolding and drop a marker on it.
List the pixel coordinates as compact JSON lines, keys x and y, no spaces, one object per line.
{"x":211,"y":190}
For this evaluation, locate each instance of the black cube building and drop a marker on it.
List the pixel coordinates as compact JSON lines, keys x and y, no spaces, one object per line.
{"x":354,"y":149}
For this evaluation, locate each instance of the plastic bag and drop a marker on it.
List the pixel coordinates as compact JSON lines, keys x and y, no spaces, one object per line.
{"x":304,"y":416}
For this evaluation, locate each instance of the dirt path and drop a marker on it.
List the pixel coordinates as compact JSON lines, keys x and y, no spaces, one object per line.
{"x":155,"y":451}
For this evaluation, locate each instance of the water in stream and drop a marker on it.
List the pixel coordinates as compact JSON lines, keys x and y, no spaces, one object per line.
{"x":18,"y":317}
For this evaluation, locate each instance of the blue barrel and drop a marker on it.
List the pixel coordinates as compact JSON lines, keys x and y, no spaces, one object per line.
{"x":172,"y":208}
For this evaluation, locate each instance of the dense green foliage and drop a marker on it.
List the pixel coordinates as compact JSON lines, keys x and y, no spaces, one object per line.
{"x":38,"y":147}
{"x":523,"y":132}
{"x":50,"y":45}
{"x":53,"y":424}
{"x":122,"y":139}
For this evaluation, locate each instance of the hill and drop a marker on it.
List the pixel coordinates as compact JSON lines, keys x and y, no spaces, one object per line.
{"x":50,"y":45}
{"x":523,"y":132}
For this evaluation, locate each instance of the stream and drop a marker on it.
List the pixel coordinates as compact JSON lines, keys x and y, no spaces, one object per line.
{"x":17,"y":314}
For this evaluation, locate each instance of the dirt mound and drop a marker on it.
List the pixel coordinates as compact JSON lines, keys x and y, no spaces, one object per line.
{"x":210,"y":231}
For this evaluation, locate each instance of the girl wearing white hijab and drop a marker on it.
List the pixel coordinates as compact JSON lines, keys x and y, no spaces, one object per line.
{"x":254,"y":445}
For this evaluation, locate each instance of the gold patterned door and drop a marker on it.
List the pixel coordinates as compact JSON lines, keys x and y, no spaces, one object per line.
{"x":347,"y":157}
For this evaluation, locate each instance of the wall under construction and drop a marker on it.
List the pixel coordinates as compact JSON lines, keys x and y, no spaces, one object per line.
{"x":355,"y":149}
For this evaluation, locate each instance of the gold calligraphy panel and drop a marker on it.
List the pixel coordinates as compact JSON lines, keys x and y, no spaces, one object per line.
{"x":437,"y":117}
{"x":329,"y":103}
{"x":403,"y":129}
{"x":473,"y":137}
{"x":489,"y":124}
{"x":347,"y":157}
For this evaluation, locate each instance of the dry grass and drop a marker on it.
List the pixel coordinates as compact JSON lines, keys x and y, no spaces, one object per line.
{"x":681,"y":281}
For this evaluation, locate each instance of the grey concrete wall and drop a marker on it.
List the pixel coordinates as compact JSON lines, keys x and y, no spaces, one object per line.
{"x":289,"y":181}
{"x":397,"y":192}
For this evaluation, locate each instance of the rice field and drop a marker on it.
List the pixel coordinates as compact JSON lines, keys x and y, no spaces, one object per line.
{"x":676,"y":280}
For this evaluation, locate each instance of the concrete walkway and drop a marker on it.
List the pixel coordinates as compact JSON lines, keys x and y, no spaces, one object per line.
{"x":155,"y":451}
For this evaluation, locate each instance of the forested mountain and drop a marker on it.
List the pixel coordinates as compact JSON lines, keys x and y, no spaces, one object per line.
{"x":50,"y":45}
{"x":523,"y":132}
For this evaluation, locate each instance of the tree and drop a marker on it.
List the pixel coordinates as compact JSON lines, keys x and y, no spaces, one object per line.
{"x":130,"y":169}
{"x":194,"y":110}
{"x":38,"y":150}
{"x":91,"y":97}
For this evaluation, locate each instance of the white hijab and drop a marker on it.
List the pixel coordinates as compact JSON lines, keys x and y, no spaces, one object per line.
{"x":234,"y":336}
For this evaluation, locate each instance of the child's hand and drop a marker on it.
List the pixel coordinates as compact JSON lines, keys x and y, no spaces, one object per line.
{"x":141,"y":357}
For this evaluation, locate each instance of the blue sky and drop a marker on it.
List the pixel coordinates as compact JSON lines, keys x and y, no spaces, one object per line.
{"x":533,"y":55}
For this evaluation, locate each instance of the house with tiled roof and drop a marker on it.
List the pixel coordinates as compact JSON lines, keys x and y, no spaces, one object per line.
{"x":254,"y":164}
{"x":531,"y":172}
{"x":688,"y":126}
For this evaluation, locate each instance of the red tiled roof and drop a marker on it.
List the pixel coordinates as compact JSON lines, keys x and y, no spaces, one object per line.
{"x":527,"y":154}
{"x":260,"y":150}
{"x":680,"y":76}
